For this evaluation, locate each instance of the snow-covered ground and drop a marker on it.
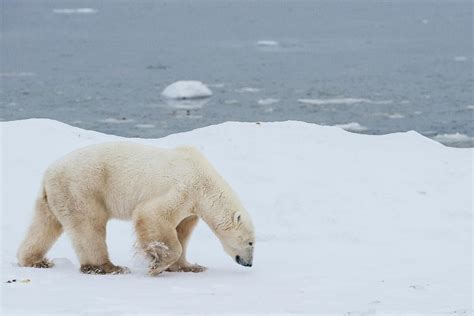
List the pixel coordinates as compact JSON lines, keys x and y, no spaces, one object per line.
{"x":346,"y":223}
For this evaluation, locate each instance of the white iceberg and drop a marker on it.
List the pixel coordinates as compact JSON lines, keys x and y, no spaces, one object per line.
{"x":187,"y":89}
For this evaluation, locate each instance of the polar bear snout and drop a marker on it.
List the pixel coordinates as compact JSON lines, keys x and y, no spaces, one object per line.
{"x":243,"y":262}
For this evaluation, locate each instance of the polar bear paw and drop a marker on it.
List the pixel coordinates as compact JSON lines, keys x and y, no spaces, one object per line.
{"x":43,"y":264}
{"x":107,"y":268}
{"x":196,"y":268}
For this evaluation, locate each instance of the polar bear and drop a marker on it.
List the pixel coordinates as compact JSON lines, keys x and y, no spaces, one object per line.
{"x":163,"y":191}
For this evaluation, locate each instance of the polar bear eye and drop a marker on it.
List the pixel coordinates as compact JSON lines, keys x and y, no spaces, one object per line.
{"x":250,"y":243}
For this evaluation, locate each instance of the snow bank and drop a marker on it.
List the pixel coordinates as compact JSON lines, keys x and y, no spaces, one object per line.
{"x":346,"y":223}
{"x":187,"y":90}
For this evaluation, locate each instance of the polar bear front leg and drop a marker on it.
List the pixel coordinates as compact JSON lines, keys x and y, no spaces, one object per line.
{"x":184,"y":231}
{"x":159,"y":241}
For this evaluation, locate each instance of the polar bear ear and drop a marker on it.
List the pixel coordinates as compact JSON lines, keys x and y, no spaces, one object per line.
{"x":237,"y":218}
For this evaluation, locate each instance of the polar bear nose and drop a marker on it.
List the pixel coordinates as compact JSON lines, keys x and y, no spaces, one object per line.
{"x":242,"y":262}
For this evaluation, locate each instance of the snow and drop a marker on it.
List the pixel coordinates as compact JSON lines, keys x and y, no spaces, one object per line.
{"x":75,"y":11}
{"x":345,"y":223}
{"x":352,"y":126}
{"x":190,"y":89}
{"x":343,"y":101}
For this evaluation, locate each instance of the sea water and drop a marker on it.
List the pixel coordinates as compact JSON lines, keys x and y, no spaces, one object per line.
{"x":371,"y":67}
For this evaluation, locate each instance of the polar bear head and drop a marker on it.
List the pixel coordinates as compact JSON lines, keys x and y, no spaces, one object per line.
{"x":237,"y":236}
{"x":232,"y":225}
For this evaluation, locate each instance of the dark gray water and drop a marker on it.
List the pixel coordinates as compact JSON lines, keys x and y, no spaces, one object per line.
{"x":411,"y":62}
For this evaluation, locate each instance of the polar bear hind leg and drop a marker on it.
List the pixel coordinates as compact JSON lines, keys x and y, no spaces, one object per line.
{"x":44,"y":230}
{"x":184,"y":231}
{"x":86,"y":227}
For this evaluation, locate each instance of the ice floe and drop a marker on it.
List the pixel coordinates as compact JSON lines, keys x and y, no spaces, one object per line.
{"x":75,"y":11}
{"x":460,"y":58}
{"x":453,"y":138}
{"x":187,"y":89}
{"x":267,"y":43}
{"x":267,"y":101}
{"x":248,"y":89}
{"x":113,"y":120}
{"x":352,"y":126}
{"x":145,"y":125}
{"x":345,"y":101}
{"x":16,"y":74}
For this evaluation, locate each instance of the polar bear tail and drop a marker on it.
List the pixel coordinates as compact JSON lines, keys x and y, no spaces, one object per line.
{"x":44,"y":230}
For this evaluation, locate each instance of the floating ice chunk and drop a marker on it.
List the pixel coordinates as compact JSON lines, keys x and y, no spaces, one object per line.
{"x":187,"y":89}
{"x":353,"y":127}
{"x":395,"y":116}
{"x":346,"y":101}
{"x":453,"y":138}
{"x":75,"y":11}
{"x":113,"y":120}
{"x":267,"y":101}
{"x":248,"y":89}
{"x":267,"y":43}
{"x":17,"y":74}
{"x":145,"y":125}
{"x":470,"y":107}
{"x":425,"y":21}
{"x":460,"y":58}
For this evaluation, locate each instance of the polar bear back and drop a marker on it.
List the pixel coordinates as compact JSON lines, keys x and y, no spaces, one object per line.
{"x":123,"y":175}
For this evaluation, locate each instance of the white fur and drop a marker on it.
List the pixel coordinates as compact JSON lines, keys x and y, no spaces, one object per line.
{"x":163,"y":191}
